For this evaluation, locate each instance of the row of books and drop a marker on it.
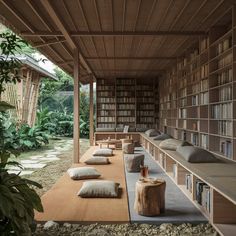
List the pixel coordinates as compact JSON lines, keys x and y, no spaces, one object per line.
{"x":107,"y":106}
{"x":145,"y":113}
{"x":222,"y":111}
{"x":106,"y":93}
{"x":146,"y":107}
{"x":226,"y":148}
{"x":106,"y":125}
{"x":224,"y":45}
{"x":194,"y":54}
{"x":181,"y":64}
{"x":182,"y":113}
{"x":225,"y":77}
{"x":203,"y":195}
{"x":125,"y":119}
{"x":194,"y":66}
{"x":125,"y":113}
{"x":183,"y":102}
{"x":183,"y":92}
{"x":126,"y":106}
{"x":106,"y":119}
{"x":189,"y":182}
{"x":183,"y":83}
{"x":225,"y":93}
{"x":145,"y":99}
{"x":124,"y":99}
{"x":225,"y":128}
{"x":194,"y":100}
{"x":144,"y":87}
{"x":106,"y":100}
{"x":204,"y":84}
{"x":105,"y":87}
{"x":125,"y":82}
{"x":105,"y":82}
{"x":204,"y":98}
{"x":225,"y":60}
{"x":145,"y":119}
{"x":145,"y":94}
{"x":125,"y":93}
{"x":106,"y":113}
{"x":194,"y":139}
{"x":204,"y":44}
{"x":204,"y":141}
{"x":204,"y":71}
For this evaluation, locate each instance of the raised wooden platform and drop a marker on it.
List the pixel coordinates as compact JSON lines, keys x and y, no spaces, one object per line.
{"x":62,"y":204}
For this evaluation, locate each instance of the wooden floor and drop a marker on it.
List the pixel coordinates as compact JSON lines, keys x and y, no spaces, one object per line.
{"x":62,"y":204}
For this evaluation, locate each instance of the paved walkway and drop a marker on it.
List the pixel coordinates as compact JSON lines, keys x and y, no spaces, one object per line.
{"x":36,"y":161}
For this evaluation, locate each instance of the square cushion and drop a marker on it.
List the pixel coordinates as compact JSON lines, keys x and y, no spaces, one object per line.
{"x":99,"y":189}
{"x":196,"y":155}
{"x":106,"y":152}
{"x":152,"y":132}
{"x":97,"y":161}
{"x":172,"y":144}
{"x":128,"y":148}
{"x":162,"y":137}
{"x":133,"y":162}
{"x":141,"y":129}
{"x":83,"y":173}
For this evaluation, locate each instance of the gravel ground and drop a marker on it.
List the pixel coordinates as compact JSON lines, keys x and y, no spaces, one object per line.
{"x":48,"y":175}
{"x":125,"y":230}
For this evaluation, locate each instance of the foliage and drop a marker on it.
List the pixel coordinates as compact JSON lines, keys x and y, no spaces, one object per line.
{"x":9,"y":65}
{"x":18,"y":199}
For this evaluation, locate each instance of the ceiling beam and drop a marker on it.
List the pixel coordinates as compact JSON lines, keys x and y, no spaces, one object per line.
{"x":127,"y":70}
{"x":130,"y":58}
{"x":51,"y":10}
{"x":114,"y":33}
{"x":49,"y":42}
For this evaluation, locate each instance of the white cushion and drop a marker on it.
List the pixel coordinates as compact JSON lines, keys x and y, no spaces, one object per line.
{"x":99,"y":189}
{"x":103,"y":152}
{"x":97,"y":161}
{"x":172,"y":144}
{"x":83,"y":173}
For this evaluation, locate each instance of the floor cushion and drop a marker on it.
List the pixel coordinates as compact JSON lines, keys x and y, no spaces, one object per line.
{"x":103,"y":152}
{"x":172,"y":144}
{"x":99,"y":189}
{"x":97,"y":161}
{"x":162,"y":137}
{"x":133,"y":162}
{"x":78,"y":173}
{"x":128,"y":148}
{"x":196,"y":155}
{"x":152,"y":132}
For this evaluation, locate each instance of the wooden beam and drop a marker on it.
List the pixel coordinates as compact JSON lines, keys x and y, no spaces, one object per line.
{"x":76,"y":106}
{"x":91,"y":112}
{"x":61,"y":26}
{"x":127,"y":70}
{"x":130,"y":58}
{"x":113,"y":33}
{"x":49,"y":42}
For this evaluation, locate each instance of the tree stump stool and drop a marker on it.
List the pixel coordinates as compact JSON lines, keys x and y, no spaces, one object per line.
{"x":133,"y":162}
{"x":150,"y":197}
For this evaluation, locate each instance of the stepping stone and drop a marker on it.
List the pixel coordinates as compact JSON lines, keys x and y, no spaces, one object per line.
{"x":49,"y":159}
{"x":35,"y":157}
{"x":29,"y":161}
{"x":24,"y":172}
{"x":34,"y":166}
{"x":49,"y":156}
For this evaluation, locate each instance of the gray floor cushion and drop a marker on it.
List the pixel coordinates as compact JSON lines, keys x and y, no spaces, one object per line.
{"x":99,"y":189}
{"x":133,"y":162}
{"x":196,"y":155}
{"x":128,"y":148}
{"x":103,"y":152}
{"x":152,"y":132}
{"x":172,"y":144}
{"x":162,"y":137}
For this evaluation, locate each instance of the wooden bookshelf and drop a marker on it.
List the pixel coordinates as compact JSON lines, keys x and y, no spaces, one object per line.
{"x":213,"y":194}
{"x":132,"y":102}
{"x":204,"y":80}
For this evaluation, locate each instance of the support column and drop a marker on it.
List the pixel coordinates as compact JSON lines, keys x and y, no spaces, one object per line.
{"x":76,"y":106}
{"x":91,"y":111}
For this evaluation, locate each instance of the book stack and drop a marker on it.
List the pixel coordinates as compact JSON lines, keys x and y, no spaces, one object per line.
{"x":204,"y":98}
{"x":194,"y":139}
{"x":224,"y":45}
{"x":204,"y":141}
{"x":204,"y":71}
{"x":182,"y":113}
{"x":204,"y":85}
{"x":225,"y":93}
{"x":188,"y":182}
{"x":226,"y":148}
{"x":225,"y":60}
{"x":206,"y":198}
{"x":225,"y":128}
{"x":194,"y":100}
{"x":222,"y":111}
{"x":225,"y":77}
{"x":204,"y":43}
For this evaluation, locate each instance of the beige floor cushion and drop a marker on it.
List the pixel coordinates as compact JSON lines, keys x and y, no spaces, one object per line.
{"x":172,"y":144}
{"x":97,"y":161}
{"x":78,"y":173}
{"x":99,"y":189}
{"x":106,"y":152}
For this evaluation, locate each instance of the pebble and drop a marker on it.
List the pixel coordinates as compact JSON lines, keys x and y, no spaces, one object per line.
{"x":51,"y":225}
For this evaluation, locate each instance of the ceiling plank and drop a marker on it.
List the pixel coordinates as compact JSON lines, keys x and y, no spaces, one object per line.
{"x":49,"y":42}
{"x":114,"y":33}
{"x":130,"y":58}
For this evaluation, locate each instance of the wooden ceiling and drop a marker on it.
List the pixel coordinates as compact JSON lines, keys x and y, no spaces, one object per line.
{"x":116,"y":38}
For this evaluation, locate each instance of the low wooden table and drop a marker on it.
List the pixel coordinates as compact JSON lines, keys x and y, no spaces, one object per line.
{"x":150,"y":197}
{"x":108,"y":143}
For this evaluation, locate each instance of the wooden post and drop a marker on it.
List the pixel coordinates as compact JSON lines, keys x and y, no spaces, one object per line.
{"x":76,"y":106}
{"x":91,"y":111}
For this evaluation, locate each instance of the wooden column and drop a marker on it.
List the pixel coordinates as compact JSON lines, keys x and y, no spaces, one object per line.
{"x":91,"y":111}
{"x":76,"y":106}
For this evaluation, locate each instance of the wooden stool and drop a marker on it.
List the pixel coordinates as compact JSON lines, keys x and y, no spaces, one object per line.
{"x":150,"y":197}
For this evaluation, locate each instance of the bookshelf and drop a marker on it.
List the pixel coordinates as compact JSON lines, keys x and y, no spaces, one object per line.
{"x":211,"y":193}
{"x":127,"y":101}
{"x":106,"y":104}
{"x":204,"y":80}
